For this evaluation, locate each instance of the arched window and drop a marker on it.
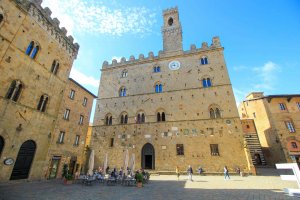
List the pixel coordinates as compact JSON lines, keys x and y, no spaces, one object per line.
{"x":163,"y":117}
{"x":54,"y":67}
{"x":43,"y":103}
{"x":158,"y":117}
{"x":156,"y":69}
{"x":206,"y":82}
{"x":158,"y":88}
{"x":108,"y":119}
{"x":14,"y":90}
{"x":143,"y":118}
{"x":212,"y":113}
{"x":124,"y":73}
{"x":34,"y":52}
{"x":29,"y":48}
{"x":217,"y":113}
{"x":122,"y":92}
{"x":1,"y":18}
{"x":32,"y":49}
{"x":140,"y":118}
{"x":204,"y":60}
{"x":124,"y":118}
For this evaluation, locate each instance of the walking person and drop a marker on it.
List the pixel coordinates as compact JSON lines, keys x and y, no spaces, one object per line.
{"x":190,"y":173}
{"x":226,"y":173}
{"x":177,"y":172}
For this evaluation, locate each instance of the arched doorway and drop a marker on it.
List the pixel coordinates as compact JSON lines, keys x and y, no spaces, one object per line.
{"x":257,"y":159}
{"x":1,"y":144}
{"x":24,"y":160}
{"x":148,"y":156}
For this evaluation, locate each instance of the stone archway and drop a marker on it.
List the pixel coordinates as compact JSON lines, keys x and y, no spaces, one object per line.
{"x":24,"y":160}
{"x":148,"y":156}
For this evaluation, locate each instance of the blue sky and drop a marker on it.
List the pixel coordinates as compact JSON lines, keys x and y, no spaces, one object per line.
{"x":261,"y":38}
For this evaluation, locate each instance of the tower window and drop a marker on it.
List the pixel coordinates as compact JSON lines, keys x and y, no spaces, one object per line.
{"x":170,"y":21}
{"x":14,"y":90}
{"x":179,"y":149}
{"x":214,"y":113}
{"x":156,"y":69}
{"x":204,"y":60}
{"x":206,"y":82}
{"x":158,"y":88}
{"x":54,"y":67}
{"x":122,"y":92}
{"x":43,"y":103}
{"x":214,"y":150}
{"x":124,"y":73}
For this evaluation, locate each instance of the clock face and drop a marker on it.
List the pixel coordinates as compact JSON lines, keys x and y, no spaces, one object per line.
{"x":174,"y":65}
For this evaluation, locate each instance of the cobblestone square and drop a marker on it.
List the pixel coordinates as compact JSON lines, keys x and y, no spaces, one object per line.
{"x":159,"y":188}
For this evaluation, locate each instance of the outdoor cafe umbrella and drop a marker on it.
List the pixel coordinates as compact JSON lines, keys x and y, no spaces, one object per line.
{"x":91,"y":163}
{"x":126,"y":159}
{"x":132,"y":162}
{"x":105,"y":164}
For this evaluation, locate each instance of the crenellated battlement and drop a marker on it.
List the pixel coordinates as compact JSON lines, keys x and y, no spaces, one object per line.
{"x":43,"y":17}
{"x":170,"y":10}
{"x":161,"y":54}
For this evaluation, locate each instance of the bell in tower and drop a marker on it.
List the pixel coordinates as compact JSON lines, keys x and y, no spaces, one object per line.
{"x":171,"y":31}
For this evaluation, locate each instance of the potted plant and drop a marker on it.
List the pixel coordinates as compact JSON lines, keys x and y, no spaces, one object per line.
{"x":139,"y":180}
{"x":66,"y":176}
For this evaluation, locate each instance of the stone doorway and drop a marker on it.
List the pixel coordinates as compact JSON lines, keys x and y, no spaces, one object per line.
{"x":54,"y":167}
{"x":24,"y":160}
{"x":148,"y":156}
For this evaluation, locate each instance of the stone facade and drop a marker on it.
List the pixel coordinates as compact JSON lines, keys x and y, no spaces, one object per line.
{"x":176,"y":108}
{"x":73,"y":123}
{"x":36,"y":57}
{"x":276,"y":118}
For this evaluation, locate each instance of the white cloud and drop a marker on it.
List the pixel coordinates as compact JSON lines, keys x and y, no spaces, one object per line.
{"x":84,"y":79}
{"x":95,"y":17}
{"x":266,"y":76}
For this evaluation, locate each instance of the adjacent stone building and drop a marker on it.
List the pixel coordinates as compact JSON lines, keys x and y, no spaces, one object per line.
{"x":36,"y":57}
{"x":276,"y":119}
{"x":68,"y":141}
{"x":176,"y":108}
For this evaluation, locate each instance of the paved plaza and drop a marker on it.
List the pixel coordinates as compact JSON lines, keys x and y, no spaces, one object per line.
{"x":160,"y":187}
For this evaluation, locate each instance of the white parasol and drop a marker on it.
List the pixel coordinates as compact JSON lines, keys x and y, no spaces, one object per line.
{"x":91,"y":163}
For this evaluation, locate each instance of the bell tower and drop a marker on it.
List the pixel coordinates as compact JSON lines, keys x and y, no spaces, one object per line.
{"x":171,"y":30}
